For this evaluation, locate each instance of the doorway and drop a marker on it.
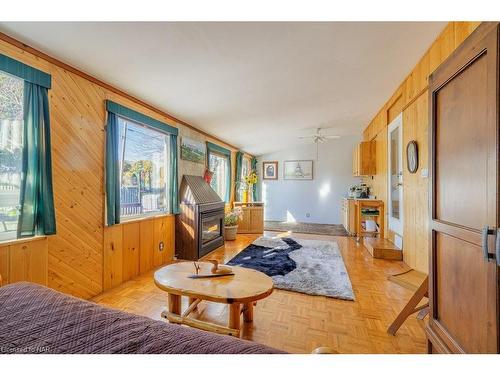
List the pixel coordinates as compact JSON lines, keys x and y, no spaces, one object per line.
{"x":395,"y":174}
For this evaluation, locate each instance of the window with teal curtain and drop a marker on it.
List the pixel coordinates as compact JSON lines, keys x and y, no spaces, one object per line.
{"x":219,"y":162}
{"x":141,"y":165}
{"x":256,"y":187}
{"x":239,"y":177}
{"x":25,"y":156}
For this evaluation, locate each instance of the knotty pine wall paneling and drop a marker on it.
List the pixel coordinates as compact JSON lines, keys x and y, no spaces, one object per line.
{"x":146,"y":245}
{"x":84,"y":257}
{"x":414,"y":105}
{"x":4,"y":264}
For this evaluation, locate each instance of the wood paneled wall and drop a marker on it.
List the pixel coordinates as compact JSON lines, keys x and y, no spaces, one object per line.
{"x":411,"y":98}
{"x":24,"y":260}
{"x":137,"y":247}
{"x":83,"y":257}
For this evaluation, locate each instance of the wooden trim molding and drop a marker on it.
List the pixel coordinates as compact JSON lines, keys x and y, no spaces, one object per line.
{"x":105,"y":85}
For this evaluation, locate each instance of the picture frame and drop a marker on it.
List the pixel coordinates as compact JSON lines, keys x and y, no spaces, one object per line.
{"x":269,"y":170}
{"x":298,"y":170}
{"x":193,"y":150}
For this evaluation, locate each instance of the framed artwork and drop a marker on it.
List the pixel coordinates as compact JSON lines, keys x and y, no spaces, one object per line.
{"x":298,"y":170}
{"x":269,"y":170}
{"x":193,"y":150}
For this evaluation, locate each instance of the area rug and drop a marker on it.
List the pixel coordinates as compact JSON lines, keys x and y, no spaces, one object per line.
{"x":311,"y":228}
{"x":304,"y":266}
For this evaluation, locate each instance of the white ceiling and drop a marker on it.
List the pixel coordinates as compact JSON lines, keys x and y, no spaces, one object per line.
{"x":258,"y":86}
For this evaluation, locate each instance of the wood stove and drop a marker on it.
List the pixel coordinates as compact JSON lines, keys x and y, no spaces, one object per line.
{"x":200,"y":224}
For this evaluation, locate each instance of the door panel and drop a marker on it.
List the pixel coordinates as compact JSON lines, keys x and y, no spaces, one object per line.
{"x":463,"y":285}
{"x":462,"y":132}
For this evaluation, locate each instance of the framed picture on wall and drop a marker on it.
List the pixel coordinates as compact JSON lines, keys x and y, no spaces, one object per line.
{"x":269,"y":170}
{"x":298,"y":170}
{"x":193,"y":150}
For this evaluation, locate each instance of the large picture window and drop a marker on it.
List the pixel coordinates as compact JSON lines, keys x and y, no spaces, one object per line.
{"x":141,"y":165}
{"x":245,"y":168}
{"x":219,"y":165}
{"x":219,"y":162}
{"x":26,"y":197}
{"x":11,"y":153}
{"x":144,"y":169}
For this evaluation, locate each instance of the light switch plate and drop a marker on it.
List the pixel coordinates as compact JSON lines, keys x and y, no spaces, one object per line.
{"x":425,"y":173}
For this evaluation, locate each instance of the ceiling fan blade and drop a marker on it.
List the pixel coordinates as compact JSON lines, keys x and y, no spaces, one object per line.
{"x":331,"y":136}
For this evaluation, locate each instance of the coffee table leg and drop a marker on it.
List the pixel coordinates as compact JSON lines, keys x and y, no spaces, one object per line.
{"x":174,"y":304}
{"x":248,"y":312}
{"x":234,"y":315}
{"x":191,"y":301}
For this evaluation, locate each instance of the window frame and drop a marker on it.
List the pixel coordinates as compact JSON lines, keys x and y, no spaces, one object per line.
{"x":168,"y":209}
{"x":120,"y":111}
{"x":228,"y":178}
{"x":21,"y":147}
{"x":213,"y":148}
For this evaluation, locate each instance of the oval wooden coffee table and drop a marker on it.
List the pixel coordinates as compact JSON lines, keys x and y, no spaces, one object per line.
{"x":239,"y":291}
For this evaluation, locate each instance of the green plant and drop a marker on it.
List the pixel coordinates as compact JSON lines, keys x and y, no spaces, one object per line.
{"x":231,"y":218}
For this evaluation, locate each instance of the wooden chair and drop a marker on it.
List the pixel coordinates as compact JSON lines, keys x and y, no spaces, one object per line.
{"x":418,"y":282}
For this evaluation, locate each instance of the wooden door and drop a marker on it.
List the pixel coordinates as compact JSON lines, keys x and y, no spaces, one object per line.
{"x":464,"y":198}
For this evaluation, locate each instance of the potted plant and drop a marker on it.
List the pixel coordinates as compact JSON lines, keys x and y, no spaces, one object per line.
{"x":231,"y":223}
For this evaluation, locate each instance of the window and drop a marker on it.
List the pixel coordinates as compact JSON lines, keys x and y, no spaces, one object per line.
{"x":245,"y":168}
{"x":219,"y":165}
{"x":11,"y":143}
{"x":144,"y":163}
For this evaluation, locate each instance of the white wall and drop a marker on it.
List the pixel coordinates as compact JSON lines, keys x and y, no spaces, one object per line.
{"x":320,"y":197}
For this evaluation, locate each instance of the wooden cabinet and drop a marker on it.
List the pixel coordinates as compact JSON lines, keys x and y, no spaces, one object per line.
{"x":363,"y":159}
{"x":253,"y":217}
{"x":464,"y":216}
{"x":348,"y":209}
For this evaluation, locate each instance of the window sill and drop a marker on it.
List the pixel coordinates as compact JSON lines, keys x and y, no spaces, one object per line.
{"x":18,"y":241}
{"x":135,"y":219}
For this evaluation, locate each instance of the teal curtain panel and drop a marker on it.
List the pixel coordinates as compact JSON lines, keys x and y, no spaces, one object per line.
{"x":130,"y":114}
{"x":174,"y":176}
{"x":25,"y":72}
{"x":37,"y":214}
{"x":238,"y":182}
{"x":112,"y":171}
{"x":213,"y":148}
{"x":256,"y":187}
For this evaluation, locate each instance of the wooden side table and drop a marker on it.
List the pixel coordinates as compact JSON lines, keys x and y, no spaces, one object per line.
{"x":362,"y":204}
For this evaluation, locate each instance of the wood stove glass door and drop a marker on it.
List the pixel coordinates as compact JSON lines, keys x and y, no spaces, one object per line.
{"x":211,"y":227}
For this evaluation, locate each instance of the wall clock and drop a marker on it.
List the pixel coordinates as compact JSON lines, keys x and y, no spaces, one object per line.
{"x":412,"y":156}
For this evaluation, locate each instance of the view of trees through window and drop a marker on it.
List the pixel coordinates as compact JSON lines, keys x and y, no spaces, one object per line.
{"x":219,"y":165}
{"x":144,"y":154}
{"x":11,"y":143}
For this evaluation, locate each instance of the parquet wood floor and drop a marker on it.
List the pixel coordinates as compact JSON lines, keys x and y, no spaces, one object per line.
{"x":296,"y":322}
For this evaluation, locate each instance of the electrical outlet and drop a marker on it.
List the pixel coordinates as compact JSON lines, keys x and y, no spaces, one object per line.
{"x":161,"y":246}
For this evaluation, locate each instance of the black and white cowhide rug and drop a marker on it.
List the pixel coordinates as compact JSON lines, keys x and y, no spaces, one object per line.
{"x":305,"y":266}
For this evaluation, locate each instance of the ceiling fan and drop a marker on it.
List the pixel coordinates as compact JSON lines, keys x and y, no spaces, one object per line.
{"x":318,"y":138}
